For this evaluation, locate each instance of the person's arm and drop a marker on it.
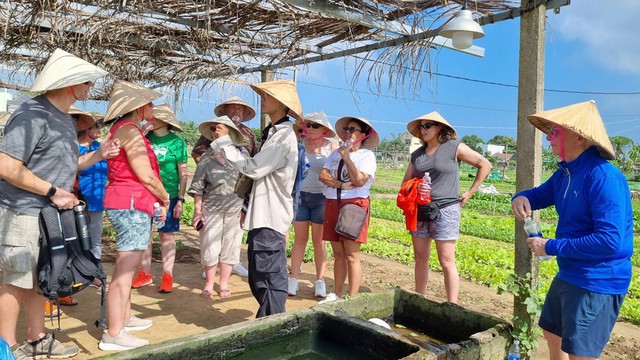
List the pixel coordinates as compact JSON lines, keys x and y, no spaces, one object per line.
{"x":197,"y":210}
{"x":15,"y":173}
{"x":182,"y":173}
{"x":473,"y":158}
{"x":327,"y":179}
{"x":199,"y":148}
{"x":136,"y":152}
{"x":108,"y":149}
{"x":408,"y":175}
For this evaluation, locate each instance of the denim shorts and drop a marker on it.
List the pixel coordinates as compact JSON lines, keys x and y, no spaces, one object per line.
{"x":446,"y":227}
{"x":133,"y":229}
{"x":583,"y":319}
{"x":311,"y":207}
{"x":171,"y":224}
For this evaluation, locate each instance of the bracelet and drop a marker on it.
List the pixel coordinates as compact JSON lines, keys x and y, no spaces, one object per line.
{"x":181,"y":199}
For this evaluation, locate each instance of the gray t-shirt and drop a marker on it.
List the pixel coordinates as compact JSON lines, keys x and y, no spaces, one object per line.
{"x":443,"y":169}
{"x":45,"y":140}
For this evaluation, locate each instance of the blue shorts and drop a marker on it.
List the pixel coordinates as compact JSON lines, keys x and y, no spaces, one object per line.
{"x":446,"y":227}
{"x":133,"y":229}
{"x":311,"y":208}
{"x":583,"y":319}
{"x":171,"y":224}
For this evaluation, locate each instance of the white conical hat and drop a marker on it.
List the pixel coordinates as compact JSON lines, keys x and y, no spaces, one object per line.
{"x":581,"y":118}
{"x":164,"y":113}
{"x":414,"y":125}
{"x":126,"y":97}
{"x":234,"y":133}
{"x":248,"y":114}
{"x":64,"y":69}
{"x":370,"y":142}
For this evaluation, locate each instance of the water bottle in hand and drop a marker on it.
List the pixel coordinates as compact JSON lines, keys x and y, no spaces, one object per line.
{"x":157,"y":212}
{"x":425,"y":198}
{"x":533,"y":230}
{"x":514,"y":350}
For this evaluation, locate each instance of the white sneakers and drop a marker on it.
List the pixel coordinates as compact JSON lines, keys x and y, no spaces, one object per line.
{"x":321,"y":289}
{"x":239,"y":270}
{"x":123,"y":341}
{"x":136,"y":324}
{"x":331,"y":297}
{"x":293,"y":286}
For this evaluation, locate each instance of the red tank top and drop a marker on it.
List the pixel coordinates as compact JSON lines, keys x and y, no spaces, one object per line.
{"x":124,"y":190}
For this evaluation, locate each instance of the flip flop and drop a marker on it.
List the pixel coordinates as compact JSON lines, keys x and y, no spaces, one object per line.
{"x":68,"y":301}
{"x":206,"y":293}
{"x":224,"y":293}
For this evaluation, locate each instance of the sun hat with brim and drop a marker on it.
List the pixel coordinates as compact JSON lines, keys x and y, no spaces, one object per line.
{"x":85,"y":118}
{"x":581,"y":118}
{"x":369,"y":143}
{"x":283,"y":91}
{"x":126,"y":97}
{"x":247,"y":115}
{"x":319,"y":117}
{"x":63,"y":70}
{"x":414,"y":125}
{"x":234,"y":133}
{"x":164,"y":113}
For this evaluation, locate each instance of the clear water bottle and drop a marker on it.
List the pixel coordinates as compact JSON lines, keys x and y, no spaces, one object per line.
{"x":514,"y":350}
{"x":425,"y":198}
{"x":533,"y":230}
{"x":347,"y":144}
{"x":157,"y":212}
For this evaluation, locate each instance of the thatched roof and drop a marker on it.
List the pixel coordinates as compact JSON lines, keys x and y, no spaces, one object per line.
{"x":177,"y":42}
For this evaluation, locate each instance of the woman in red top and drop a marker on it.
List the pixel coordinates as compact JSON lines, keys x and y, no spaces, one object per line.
{"x":134,"y":185}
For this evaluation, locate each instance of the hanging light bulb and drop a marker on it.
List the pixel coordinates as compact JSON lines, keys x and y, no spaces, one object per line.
{"x":462,"y":29}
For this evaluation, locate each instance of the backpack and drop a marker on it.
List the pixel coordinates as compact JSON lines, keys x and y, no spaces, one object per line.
{"x":64,"y":269}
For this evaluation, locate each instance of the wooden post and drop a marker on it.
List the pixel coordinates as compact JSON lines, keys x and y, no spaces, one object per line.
{"x":529,"y":152}
{"x":265,"y":75}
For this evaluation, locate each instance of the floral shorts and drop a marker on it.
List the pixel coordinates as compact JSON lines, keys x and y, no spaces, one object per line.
{"x":133,"y":229}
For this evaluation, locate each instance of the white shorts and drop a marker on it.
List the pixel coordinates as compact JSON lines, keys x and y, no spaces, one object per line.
{"x":220,"y":238}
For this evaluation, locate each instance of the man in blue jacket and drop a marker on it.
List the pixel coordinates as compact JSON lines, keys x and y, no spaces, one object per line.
{"x":594,"y":236}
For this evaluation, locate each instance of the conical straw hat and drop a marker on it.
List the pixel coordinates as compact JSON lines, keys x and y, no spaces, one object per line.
{"x":85,"y":119}
{"x":248,"y":114}
{"x":283,"y":91}
{"x":126,"y":97}
{"x":64,"y":69}
{"x":318,"y":117}
{"x":582,"y":118}
{"x":234,"y":133}
{"x":414,"y":125}
{"x":164,"y":113}
{"x":369,"y":143}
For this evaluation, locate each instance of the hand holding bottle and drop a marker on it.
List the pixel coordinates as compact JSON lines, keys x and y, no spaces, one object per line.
{"x":424,"y":190}
{"x":535,"y":241}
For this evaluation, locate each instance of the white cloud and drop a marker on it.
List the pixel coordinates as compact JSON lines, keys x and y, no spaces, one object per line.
{"x":608,"y":30}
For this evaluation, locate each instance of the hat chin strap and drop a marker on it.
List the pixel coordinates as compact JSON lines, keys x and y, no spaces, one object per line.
{"x":364,"y":138}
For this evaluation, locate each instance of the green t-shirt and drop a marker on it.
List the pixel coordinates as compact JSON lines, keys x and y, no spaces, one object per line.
{"x":170,"y":150}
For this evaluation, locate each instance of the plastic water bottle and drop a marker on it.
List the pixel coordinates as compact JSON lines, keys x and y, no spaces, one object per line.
{"x":533,"y":230}
{"x":425,"y":198}
{"x":157,"y":212}
{"x":347,"y":144}
{"x":514,"y":350}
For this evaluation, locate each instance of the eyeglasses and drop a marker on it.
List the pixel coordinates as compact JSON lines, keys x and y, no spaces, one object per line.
{"x":313,"y":125}
{"x":427,"y":126}
{"x":350,"y":129}
{"x":555,"y":131}
{"x":88,"y":83}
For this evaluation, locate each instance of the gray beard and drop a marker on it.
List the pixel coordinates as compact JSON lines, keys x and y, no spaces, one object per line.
{"x":236,"y":119}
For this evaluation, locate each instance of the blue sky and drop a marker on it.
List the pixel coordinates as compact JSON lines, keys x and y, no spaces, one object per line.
{"x":589,"y":47}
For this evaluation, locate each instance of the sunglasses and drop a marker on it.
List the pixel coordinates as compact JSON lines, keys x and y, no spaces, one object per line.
{"x":556,"y":130}
{"x":427,"y":126}
{"x":313,"y":125}
{"x":351,"y":129}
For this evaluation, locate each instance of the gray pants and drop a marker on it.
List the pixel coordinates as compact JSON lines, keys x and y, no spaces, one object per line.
{"x":268,"y":270}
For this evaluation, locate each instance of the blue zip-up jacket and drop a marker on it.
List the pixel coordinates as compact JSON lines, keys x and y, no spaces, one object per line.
{"x":594,"y":237}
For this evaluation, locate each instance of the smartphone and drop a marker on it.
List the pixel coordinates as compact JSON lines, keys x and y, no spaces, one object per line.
{"x":199,"y":225}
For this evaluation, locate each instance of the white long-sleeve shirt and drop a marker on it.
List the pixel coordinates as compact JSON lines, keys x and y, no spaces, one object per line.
{"x":273,"y":170}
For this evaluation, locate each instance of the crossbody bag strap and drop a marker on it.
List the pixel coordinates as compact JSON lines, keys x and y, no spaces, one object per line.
{"x":339,"y":190}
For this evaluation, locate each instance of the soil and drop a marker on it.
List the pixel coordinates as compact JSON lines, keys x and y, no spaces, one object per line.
{"x":184,"y":312}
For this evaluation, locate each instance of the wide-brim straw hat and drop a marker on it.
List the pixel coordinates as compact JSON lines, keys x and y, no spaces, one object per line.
{"x":85,"y":118}
{"x":581,"y":118}
{"x":164,"y":113}
{"x":414,"y":125}
{"x":283,"y":91}
{"x":369,"y":143}
{"x":126,"y":97}
{"x":247,"y":115}
{"x":234,"y":133}
{"x":63,"y":70}
{"x":318,"y":117}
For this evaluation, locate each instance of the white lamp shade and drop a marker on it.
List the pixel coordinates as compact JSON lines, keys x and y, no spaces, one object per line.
{"x":462,"y":23}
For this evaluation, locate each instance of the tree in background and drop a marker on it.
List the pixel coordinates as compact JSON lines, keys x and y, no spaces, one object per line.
{"x":190,"y":133}
{"x":622,"y":144}
{"x":508,"y":142}
{"x":473,"y":141}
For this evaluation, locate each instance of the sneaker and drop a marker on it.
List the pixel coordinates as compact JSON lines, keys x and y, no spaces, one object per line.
{"x":167,"y":283}
{"x":124,"y":341}
{"x":46,"y":347}
{"x":142,"y":279}
{"x":321,"y":289}
{"x":330,"y":298}
{"x":293,"y":286}
{"x":204,"y":275}
{"x":239,"y":270}
{"x":136,"y":324}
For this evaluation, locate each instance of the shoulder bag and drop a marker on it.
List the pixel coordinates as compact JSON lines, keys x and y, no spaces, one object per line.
{"x":351,"y":217}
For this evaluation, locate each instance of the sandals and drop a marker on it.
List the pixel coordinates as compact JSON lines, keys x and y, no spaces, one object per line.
{"x":224,"y":293}
{"x":206,"y":293}
{"x":68,"y":301}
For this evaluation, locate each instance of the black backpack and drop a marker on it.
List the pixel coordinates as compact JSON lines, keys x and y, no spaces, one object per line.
{"x":64,"y":268}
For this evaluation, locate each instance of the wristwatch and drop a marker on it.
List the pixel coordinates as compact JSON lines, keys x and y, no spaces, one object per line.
{"x":52,"y":191}
{"x":181,"y":200}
